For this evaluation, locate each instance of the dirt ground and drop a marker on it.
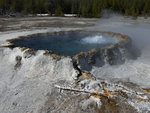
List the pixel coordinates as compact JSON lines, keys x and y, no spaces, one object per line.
{"x":7,"y":24}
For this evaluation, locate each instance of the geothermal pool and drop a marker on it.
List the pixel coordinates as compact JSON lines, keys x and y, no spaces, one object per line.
{"x":66,"y":43}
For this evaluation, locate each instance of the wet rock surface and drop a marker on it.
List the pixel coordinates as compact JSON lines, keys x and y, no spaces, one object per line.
{"x":115,"y":54}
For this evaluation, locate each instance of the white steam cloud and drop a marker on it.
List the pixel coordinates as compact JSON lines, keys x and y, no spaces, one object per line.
{"x":135,"y":71}
{"x":99,"y":39}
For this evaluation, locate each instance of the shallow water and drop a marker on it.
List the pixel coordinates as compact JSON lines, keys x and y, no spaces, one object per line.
{"x":66,"y":44}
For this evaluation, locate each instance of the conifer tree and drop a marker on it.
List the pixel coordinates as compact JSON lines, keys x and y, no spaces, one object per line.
{"x":84,"y":8}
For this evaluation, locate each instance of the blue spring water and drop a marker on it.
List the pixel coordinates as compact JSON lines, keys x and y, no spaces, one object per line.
{"x":66,"y":44}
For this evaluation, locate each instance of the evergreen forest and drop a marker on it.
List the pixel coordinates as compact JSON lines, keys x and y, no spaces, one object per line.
{"x":83,"y":8}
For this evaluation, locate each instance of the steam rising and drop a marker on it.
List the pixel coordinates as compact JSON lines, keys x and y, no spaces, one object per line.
{"x":98,"y":39}
{"x":135,"y":71}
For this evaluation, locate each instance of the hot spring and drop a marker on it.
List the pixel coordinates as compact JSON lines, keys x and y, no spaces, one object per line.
{"x":67,"y":43}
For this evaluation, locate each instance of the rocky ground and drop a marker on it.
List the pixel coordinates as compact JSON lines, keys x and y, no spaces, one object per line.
{"x":38,"y":82}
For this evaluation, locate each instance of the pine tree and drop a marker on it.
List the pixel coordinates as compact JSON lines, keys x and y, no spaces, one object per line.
{"x":84,"y":8}
{"x":28,"y":7}
{"x":59,"y":12}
